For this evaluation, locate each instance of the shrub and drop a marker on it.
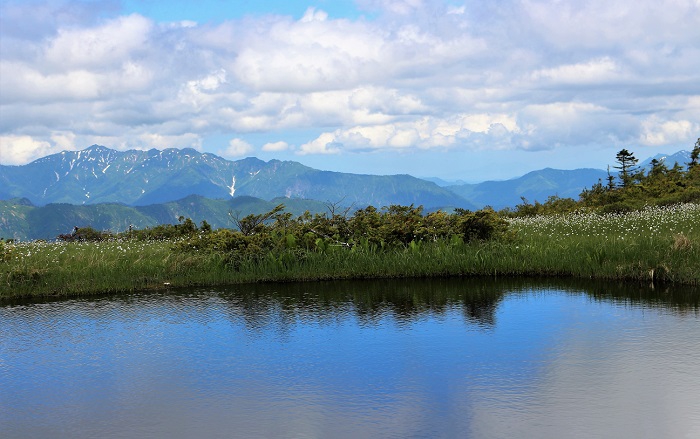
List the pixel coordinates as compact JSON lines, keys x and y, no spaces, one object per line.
{"x":86,"y":234}
{"x":283,"y":239}
{"x":482,"y":225}
{"x":234,"y":246}
{"x":163,"y":232}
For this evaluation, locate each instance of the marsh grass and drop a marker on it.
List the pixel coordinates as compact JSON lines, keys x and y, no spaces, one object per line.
{"x":659,"y":243}
{"x":652,"y":245}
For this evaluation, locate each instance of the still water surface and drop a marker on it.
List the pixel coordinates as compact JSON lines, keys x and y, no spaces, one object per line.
{"x":440,"y":358}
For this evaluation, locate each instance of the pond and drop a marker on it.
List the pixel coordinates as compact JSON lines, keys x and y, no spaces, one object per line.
{"x":411,"y":358}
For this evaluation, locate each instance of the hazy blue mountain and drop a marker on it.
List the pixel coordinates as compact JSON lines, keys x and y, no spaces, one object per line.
{"x":444,"y":183}
{"x":19,"y":219}
{"x":534,"y":186}
{"x":681,"y":157}
{"x":139,"y":178}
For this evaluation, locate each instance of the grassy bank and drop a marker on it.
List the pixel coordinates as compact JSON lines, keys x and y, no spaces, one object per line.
{"x":657,"y":244}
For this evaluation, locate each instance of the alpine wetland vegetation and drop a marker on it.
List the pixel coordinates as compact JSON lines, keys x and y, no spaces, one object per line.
{"x":644,"y":229}
{"x":659,"y":243}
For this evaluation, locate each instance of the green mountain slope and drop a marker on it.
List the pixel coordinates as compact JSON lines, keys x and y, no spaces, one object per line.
{"x":21,"y":220}
{"x":141,"y":178}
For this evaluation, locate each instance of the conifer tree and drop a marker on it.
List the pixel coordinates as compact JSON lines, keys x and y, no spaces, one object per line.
{"x":626,"y":164}
{"x":694,"y":155}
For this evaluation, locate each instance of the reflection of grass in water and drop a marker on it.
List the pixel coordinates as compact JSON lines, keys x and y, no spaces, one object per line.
{"x":659,"y":245}
{"x":408,"y":300}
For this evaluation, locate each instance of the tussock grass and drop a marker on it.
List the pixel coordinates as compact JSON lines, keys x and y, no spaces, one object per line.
{"x":660,"y":244}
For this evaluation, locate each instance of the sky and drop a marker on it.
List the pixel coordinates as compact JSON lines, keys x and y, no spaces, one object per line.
{"x":467,"y":90}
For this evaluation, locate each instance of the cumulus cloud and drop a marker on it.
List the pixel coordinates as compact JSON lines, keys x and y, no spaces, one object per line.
{"x":463,"y":130}
{"x":101,"y":46}
{"x":275,"y":146}
{"x":160,"y":141}
{"x":326,"y":143}
{"x":566,"y":123}
{"x":413,"y":75}
{"x":198,"y":93}
{"x":595,"y":71}
{"x":236,"y":148}
{"x":64,"y":141}
{"x":18,"y":150}
{"x":657,"y":132}
{"x":311,"y":54}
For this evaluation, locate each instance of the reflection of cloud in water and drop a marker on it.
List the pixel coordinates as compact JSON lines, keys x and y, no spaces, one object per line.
{"x":607,"y":376}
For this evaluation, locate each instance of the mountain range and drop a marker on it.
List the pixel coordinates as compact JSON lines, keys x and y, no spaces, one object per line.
{"x":139,"y":178}
{"x":110,"y":189}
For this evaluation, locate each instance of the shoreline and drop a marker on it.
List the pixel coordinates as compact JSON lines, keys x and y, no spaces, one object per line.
{"x":660,"y":246}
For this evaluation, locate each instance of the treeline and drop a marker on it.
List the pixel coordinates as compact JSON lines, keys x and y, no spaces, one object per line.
{"x":632,"y":188}
{"x":280,"y":234}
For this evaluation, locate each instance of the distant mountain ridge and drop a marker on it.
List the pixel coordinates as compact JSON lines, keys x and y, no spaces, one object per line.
{"x":137,"y":178}
{"x":535,"y":185}
{"x":681,"y":157}
{"x":541,"y":184}
{"x":21,"y":220}
{"x":109,"y":189}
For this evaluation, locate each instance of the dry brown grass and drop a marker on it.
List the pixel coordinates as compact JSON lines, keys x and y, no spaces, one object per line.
{"x":681,"y":243}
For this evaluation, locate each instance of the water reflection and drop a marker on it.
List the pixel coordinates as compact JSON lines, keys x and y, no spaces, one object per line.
{"x":404,"y":300}
{"x":412,"y":358}
{"x":408,"y":301}
{"x":371,"y":303}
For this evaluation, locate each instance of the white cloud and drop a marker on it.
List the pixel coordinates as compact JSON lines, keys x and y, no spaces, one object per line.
{"x":386,"y":101}
{"x":561,"y":124}
{"x":275,"y":146}
{"x":201,"y":92}
{"x":161,"y":141}
{"x":428,"y":75}
{"x":326,"y":143}
{"x":402,"y":7}
{"x":20,"y":82}
{"x":18,"y":150}
{"x":596,"y":71}
{"x":600,"y":23}
{"x":656,"y":132}
{"x":463,"y":130}
{"x":64,"y":141}
{"x":236,"y":148}
{"x":101,"y":46}
{"x":310,"y":55}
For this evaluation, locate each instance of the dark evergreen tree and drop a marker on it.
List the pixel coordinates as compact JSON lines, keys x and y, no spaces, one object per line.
{"x":611,"y":180}
{"x":694,"y":155}
{"x":626,"y":164}
{"x":658,"y":169}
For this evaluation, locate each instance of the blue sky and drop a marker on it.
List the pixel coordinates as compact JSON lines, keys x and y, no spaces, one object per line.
{"x":206,"y":11}
{"x":461,"y":90}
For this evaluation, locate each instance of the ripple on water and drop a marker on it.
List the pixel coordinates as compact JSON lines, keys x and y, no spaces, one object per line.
{"x":449,"y":359}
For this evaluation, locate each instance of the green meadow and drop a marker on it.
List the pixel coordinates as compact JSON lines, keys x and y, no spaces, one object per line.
{"x":653,"y":245}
